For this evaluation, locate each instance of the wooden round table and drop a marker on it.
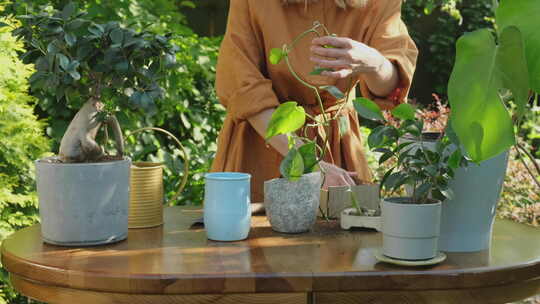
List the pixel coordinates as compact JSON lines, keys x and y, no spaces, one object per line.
{"x":177,"y":264}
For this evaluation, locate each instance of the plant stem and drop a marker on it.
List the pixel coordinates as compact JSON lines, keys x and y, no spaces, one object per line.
{"x":527,"y":167}
{"x":305,"y":83}
{"x":530,"y":156}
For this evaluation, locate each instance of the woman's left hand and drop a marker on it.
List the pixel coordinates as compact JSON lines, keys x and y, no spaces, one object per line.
{"x":345,"y":57}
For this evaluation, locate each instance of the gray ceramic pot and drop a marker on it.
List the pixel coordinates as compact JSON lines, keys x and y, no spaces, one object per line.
{"x":292,"y":207}
{"x":83,"y":204}
{"x":410,"y":231}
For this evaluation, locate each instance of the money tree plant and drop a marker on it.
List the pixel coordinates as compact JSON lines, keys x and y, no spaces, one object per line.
{"x":427,"y":172}
{"x":290,"y":118}
{"x":100,"y":67}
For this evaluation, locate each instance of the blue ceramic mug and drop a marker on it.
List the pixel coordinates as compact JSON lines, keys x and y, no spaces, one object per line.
{"x":227,"y":206}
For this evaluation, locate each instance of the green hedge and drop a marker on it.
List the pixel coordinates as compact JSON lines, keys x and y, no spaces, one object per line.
{"x":22,"y":142}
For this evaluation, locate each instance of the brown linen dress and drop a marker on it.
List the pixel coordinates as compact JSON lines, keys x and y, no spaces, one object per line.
{"x":247,"y":83}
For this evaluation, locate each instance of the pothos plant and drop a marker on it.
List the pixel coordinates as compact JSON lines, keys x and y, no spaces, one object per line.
{"x":103,"y":67}
{"x":427,"y":172}
{"x":290,"y":118}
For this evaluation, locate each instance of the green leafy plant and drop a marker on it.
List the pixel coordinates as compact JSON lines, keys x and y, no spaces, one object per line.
{"x":289,"y":118}
{"x":101,"y":67}
{"x":487,"y":66}
{"x":427,"y":172}
{"x":22,"y":142}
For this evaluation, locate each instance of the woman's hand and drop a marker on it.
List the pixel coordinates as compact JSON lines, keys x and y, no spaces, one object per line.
{"x":347,"y":57}
{"x":335,"y":176}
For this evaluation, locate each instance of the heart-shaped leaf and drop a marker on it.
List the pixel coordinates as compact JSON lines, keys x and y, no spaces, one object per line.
{"x":287,"y":118}
{"x":292,"y":166}
{"x":276,"y":55}
{"x":309,"y":156}
{"x":520,"y":13}
{"x":479,"y":117}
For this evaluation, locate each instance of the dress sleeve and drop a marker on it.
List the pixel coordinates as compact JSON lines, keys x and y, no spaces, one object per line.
{"x":389,"y":35}
{"x":241,"y":86}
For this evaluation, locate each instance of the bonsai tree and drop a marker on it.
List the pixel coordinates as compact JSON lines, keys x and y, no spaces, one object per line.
{"x":489,"y":64}
{"x":101,"y":67}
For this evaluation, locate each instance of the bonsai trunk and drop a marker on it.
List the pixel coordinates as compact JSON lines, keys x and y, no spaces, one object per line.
{"x":79,"y":142}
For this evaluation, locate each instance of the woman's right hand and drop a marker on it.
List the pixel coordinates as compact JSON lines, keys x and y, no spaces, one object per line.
{"x":335,"y":176}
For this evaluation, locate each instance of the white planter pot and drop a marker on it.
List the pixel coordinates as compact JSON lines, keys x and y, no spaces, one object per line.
{"x":292,"y":207}
{"x":467,"y":219}
{"x":83,"y":204}
{"x":410,"y":231}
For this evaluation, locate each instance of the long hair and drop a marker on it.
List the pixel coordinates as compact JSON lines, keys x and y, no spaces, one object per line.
{"x":340,"y":3}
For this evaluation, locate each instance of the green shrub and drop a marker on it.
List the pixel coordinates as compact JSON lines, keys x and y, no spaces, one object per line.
{"x":22,"y":142}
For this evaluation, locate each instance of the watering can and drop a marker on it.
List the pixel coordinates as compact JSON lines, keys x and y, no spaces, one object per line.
{"x":146,"y":188}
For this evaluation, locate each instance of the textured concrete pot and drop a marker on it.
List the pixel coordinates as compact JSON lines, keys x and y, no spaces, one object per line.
{"x":83,"y":204}
{"x":467,"y":219}
{"x":410,"y":231}
{"x":292,"y":207}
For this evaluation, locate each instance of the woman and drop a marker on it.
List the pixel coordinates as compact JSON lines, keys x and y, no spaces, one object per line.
{"x":371,"y":47}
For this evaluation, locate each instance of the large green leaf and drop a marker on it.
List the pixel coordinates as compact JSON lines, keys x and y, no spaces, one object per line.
{"x":287,"y":118}
{"x":513,"y":63}
{"x":479,"y":116}
{"x":292,"y":166}
{"x":524,"y":14}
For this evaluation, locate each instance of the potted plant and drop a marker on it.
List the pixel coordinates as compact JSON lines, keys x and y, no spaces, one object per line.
{"x":411,"y":223}
{"x":84,"y":191}
{"x":489,"y":64}
{"x":365,"y":211}
{"x":292,"y":202}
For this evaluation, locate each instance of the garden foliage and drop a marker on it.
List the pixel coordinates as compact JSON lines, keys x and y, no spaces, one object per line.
{"x":22,"y":142}
{"x":435,"y":26}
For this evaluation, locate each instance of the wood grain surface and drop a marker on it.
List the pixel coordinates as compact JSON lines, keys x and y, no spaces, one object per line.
{"x":178,"y":259}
